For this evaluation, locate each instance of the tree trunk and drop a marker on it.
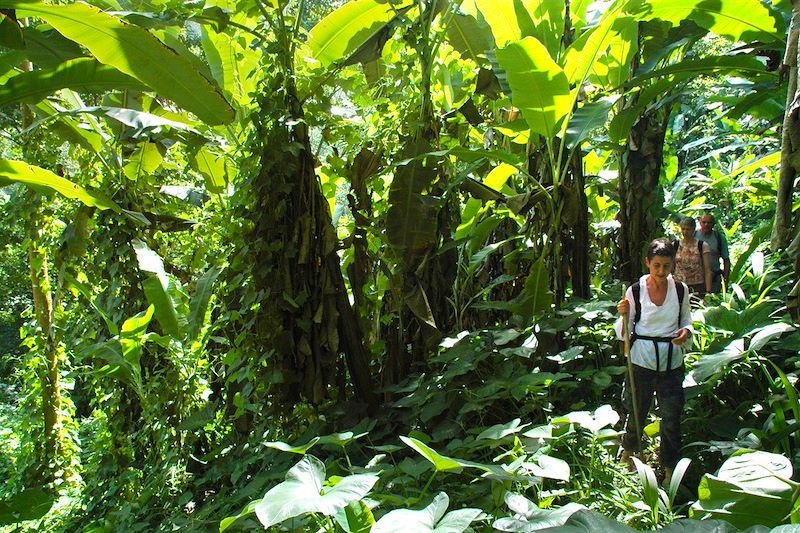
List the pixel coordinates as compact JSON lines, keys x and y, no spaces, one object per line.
{"x":580,"y":269}
{"x":43,"y":307}
{"x":640,"y":194}
{"x":790,"y":142}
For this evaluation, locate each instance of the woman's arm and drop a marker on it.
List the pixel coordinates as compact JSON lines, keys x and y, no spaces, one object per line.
{"x":685,"y":328}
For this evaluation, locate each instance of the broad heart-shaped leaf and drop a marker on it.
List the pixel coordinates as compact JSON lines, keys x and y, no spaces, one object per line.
{"x":539,"y":87}
{"x":530,"y":518}
{"x":43,"y":180}
{"x":714,"y":363}
{"x":768,"y":332}
{"x":586,"y":521}
{"x":734,"y":19}
{"x":30,"y":504}
{"x":344,"y":31}
{"x":440,"y":462}
{"x":135,"y":52}
{"x":431,"y":519}
{"x":299,"y":449}
{"x":587,"y":118}
{"x":752,"y":487}
{"x":83,"y":75}
{"x":302,"y":493}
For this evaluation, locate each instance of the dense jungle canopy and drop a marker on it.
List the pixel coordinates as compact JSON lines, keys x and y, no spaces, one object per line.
{"x":353,"y":266}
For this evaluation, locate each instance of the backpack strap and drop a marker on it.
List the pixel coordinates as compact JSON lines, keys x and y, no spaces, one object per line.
{"x":636,"y":291}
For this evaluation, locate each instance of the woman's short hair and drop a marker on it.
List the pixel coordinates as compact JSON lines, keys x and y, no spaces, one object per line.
{"x":688,"y":221}
{"x":661,"y":247}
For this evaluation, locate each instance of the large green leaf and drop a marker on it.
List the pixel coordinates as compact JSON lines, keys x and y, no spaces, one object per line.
{"x":600,"y":49}
{"x":162,"y":292}
{"x":212,"y":167}
{"x":588,"y":118}
{"x":735,"y":19}
{"x":303,"y":492}
{"x":30,"y":504}
{"x":69,"y":127}
{"x":539,"y":87}
{"x":440,"y":462}
{"x":431,"y":519}
{"x":752,"y":487}
{"x":136,"y":52}
{"x":469,"y":37}
{"x":43,"y":180}
{"x":198,"y":305}
{"x":510,"y":20}
{"x":529,"y":517}
{"x":48,"y":49}
{"x":411,"y":217}
{"x":343,"y":32}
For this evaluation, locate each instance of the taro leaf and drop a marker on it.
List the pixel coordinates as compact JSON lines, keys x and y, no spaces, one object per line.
{"x":349,"y":28}
{"x":711,"y":364}
{"x":249,"y":509}
{"x":595,"y":421}
{"x":752,"y":487}
{"x":539,"y":87}
{"x":570,"y":354}
{"x":530,"y":518}
{"x":723,"y":17}
{"x":135,"y":52}
{"x":588,"y":118}
{"x":341,"y":439}
{"x":549,"y":467}
{"x":40,"y":179}
{"x":430,"y":519}
{"x":300,"y":449}
{"x":501,"y":431}
{"x":82,"y":74}
{"x":503,"y":337}
{"x":30,"y":504}
{"x":765,"y":334}
{"x":708,"y":526}
{"x":355,"y":518}
{"x":198,"y":305}
{"x":586,"y":521}
{"x":440,"y":462}
{"x":303,"y":492}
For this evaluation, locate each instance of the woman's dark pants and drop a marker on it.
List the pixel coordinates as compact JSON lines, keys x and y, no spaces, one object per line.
{"x":668,"y":388}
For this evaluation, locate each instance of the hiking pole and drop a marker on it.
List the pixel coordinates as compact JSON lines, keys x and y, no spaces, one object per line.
{"x":626,"y":343}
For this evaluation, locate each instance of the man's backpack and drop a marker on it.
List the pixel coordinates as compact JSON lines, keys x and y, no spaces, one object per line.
{"x":636,"y":289}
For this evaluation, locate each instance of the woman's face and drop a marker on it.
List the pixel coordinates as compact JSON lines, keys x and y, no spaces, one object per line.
{"x":660,"y":266}
{"x":687,"y":230}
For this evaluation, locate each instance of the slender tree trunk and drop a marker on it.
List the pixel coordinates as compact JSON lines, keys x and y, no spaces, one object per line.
{"x":580,"y":269}
{"x":43,"y":307}
{"x":790,"y":142}
{"x":640,"y":194}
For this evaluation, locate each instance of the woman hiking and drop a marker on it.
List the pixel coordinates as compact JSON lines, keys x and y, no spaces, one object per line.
{"x":658,"y":311}
{"x":693,"y":260}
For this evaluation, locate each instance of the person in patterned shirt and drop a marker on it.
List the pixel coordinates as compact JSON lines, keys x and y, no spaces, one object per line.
{"x":693,"y":260}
